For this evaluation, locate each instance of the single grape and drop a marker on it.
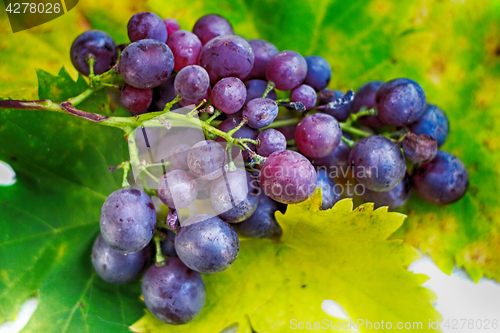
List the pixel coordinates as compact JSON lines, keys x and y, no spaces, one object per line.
{"x":394,"y":198}
{"x":177,"y":189}
{"x":365,"y":98}
{"x":146,"y":25}
{"x":167,"y":245}
{"x":271,"y":140}
{"x":172,"y":26}
{"x":245,"y":132}
{"x":377,"y":163}
{"x":329,"y":189}
{"x":196,"y":102}
{"x":336,"y":162}
{"x":135,"y":100}
{"x":319,"y":72}
{"x":288,"y":177}
{"x":433,"y":123}
{"x":226,"y":56}
{"x":263,"y":51}
{"x":207,"y":159}
{"x":96,"y":43}
{"x":260,"y":112}
{"x":400,"y":102}
{"x":192,"y":82}
{"x":186,"y":48}
{"x":118,"y":268}
{"x":286,"y":69}
{"x":318,"y":135}
{"x":173,"y":293}
{"x":443,"y":180}
{"x":419,"y":149}
{"x":256,"y":88}
{"x":207,"y":244}
{"x":163,"y":94}
{"x":304,"y":94}
{"x":128,"y":220}
{"x":178,"y":156}
{"x":210,"y":26}
{"x":233,"y":197}
{"x":340,"y":113}
{"x":288,"y":131}
{"x":262,"y":223}
{"x":146,"y":63}
{"x":229,"y":94}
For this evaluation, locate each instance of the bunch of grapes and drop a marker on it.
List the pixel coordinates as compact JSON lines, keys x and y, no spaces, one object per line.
{"x":384,"y":138}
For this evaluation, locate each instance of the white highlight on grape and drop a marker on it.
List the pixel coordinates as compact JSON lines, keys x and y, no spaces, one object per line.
{"x":24,"y":315}
{"x":332,"y":308}
{"x":7,"y":174}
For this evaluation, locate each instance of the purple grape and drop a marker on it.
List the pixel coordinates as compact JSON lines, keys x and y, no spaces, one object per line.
{"x":118,"y":268}
{"x":337,"y":161}
{"x":135,"y":100}
{"x":163,"y":94}
{"x":286,"y":69}
{"x":128,"y":220}
{"x":262,"y":223}
{"x":167,"y":245}
{"x":340,"y":113}
{"x":207,"y":244}
{"x":377,"y":163}
{"x":256,"y":88}
{"x":288,"y":131}
{"x":419,"y":149}
{"x":196,"y":102}
{"x":226,"y":56}
{"x":146,"y":25}
{"x":186,"y":48}
{"x":178,"y":156}
{"x":245,"y":132}
{"x":288,"y":177}
{"x":365,"y":98}
{"x":177,"y":189}
{"x":233,"y":197}
{"x":172,"y":26}
{"x":319,"y":72}
{"x":442,"y":181}
{"x":400,"y":102}
{"x":192,"y":82}
{"x":207,"y":159}
{"x":96,"y":43}
{"x":433,"y":123}
{"x":229,"y":94}
{"x":330,"y":191}
{"x":263,"y":51}
{"x":146,"y":63}
{"x":304,"y":94}
{"x":318,"y":135}
{"x":271,"y":140}
{"x":173,"y":293}
{"x":210,"y":26}
{"x":394,"y":198}
{"x":260,"y":112}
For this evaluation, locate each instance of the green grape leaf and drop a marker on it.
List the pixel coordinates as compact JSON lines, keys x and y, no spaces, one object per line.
{"x":339,"y":254}
{"x":50,"y":217}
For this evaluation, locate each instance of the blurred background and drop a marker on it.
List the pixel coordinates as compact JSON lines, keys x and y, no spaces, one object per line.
{"x":451,"y":47}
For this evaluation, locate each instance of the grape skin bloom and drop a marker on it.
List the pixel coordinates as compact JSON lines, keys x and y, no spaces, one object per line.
{"x":177,"y":189}
{"x":210,"y":26}
{"x":118,"y":268}
{"x":304,"y":94}
{"x":186,"y":48}
{"x":287,"y":70}
{"x":318,"y":135}
{"x":146,"y":63}
{"x":192,"y":82}
{"x":319,"y":72}
{"x":271,"y":140}
{"x":288,"y":177}
{"x":207,"y":244}
{"x":173,"y":293}
{"x":229,"y":95}
{"x":377,"y":163}
{"x":147,"y":25}
{"x":260,"y":112}
{"x":128,"y":220}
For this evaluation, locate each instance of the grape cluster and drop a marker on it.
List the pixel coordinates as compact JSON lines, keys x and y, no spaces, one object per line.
{"x":383,"y":139}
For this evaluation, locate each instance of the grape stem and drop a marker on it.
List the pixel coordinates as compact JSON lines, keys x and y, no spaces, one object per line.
{"x":270,"y":86}
{"x":348,"y":142}
{"x":290,"y":142}
{"x":160,"y":259}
